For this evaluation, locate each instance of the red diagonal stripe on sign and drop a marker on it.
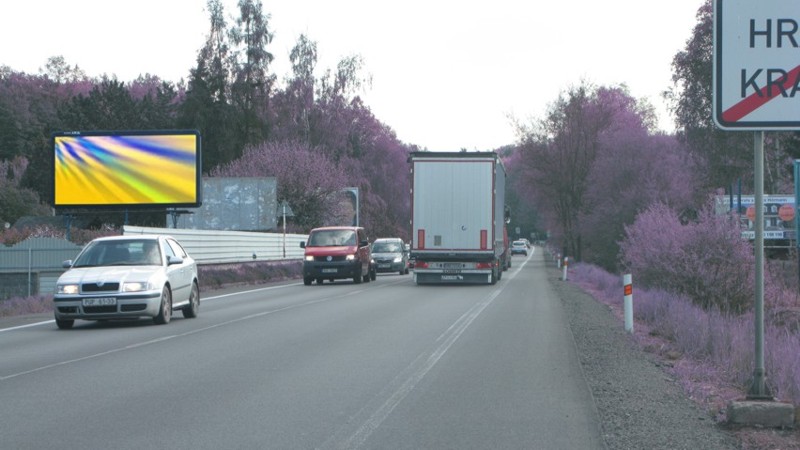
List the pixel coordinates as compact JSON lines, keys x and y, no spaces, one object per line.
{"x":758,"y":99}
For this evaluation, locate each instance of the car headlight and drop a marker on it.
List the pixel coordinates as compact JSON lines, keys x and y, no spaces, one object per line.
{"x":135,"y":286}
{"x":350,"y":257}
{"x":309,"y":258}
{"x":397,"y":259}
{"x":67,"y":289}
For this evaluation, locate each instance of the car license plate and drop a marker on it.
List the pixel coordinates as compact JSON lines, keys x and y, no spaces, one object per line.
{"x":451,"y":265}
{"x":333,"y":270}
{"x":100,"y":301}
{"x":383,"y":266}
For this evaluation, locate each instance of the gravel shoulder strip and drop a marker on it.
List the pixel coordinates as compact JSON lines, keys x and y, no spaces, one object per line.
{"x":640,"y":405}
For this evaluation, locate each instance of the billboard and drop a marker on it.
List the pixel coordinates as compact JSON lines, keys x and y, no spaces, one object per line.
{"x":779,"y":215}
{"x":234,"y":203}
{"x":127,"y":169}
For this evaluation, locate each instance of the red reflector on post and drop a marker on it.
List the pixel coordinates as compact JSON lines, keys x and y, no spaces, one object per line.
{"x":484,"y":238}
{"x":628,"y":289}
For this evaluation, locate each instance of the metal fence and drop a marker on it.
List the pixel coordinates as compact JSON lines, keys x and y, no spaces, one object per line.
{"x":32,"y":267}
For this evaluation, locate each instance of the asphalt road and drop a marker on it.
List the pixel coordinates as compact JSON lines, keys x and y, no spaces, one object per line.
{"x":385,"y":364}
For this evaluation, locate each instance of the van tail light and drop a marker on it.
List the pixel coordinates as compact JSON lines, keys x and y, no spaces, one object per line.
{"x":484,"y":265}
{"x":421,"y":264}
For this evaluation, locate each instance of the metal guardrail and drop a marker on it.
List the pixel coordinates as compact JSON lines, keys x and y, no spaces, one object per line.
{"x":32,"y":266}
{"x":219,"y":247}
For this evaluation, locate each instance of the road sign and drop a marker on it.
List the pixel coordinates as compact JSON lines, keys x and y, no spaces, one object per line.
{"x":285,"y":210}
{"x":757,"y":64}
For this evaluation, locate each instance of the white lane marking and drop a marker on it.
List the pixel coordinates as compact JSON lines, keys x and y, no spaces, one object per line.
{"x":372,"y":415}
{"x":188,"y":333}
{"x":205,"y":299}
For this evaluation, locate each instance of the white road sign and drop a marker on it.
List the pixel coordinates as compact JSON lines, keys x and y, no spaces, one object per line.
{"x":757,"y":64}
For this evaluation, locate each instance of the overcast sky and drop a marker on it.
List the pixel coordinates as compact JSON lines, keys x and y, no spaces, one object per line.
{"x":446,"y":74}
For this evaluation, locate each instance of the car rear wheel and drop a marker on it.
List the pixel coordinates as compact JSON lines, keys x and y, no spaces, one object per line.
{"x":165,"y":310}
{"x":190,"y":311}
{"x":307,"y":281}
{"x":64,"y":324}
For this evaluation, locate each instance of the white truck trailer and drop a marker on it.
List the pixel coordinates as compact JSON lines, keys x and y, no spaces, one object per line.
{"x":458,"y":217}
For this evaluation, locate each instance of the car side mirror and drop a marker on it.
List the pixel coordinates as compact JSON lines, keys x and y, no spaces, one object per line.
{"x":67,"y":264}
{"x":303,"y":244}
{"x":363,"y":243}
{"x":174,"y":260}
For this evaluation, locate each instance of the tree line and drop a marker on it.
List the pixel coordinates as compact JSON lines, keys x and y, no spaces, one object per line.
{"x":312,"y":132}
{"x":580,"y":174}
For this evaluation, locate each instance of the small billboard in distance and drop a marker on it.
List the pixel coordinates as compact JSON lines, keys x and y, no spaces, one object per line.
{"x":127,"y":169}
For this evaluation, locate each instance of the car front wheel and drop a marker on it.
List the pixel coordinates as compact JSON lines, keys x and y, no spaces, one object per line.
{"x":165,"y":310}
{"x":190,"y":311}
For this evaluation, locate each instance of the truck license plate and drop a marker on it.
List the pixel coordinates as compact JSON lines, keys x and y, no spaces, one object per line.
{"x":332,"y":270}
{"x":101,"y":301}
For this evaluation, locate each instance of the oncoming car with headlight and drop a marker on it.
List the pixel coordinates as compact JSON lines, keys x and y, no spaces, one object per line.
{"x":127,"y":277}
{"x":334,"y":253}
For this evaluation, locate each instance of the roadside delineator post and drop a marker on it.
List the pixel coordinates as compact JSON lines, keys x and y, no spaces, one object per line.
{"x":558,"y":260}
{"x":627,"y":283}
{"x":566,"y":263}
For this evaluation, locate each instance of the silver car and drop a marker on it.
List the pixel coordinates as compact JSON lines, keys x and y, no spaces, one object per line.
{"x":127,"y":277}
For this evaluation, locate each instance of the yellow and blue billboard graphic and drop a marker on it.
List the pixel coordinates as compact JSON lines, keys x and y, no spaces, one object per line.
{"x":127,"y":169}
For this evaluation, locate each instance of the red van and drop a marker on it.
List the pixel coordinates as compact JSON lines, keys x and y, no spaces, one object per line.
{"x":333,"y":253}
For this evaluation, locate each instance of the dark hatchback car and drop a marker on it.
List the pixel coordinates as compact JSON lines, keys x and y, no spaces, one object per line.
{"x":333,"y":253}
{"x":390,"y":255}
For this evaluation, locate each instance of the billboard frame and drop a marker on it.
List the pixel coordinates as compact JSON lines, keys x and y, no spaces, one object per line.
{"x":139,"y":142}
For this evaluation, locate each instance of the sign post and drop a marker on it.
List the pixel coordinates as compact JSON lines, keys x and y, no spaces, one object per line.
{"x":797,"y":212}
{"x":287,"y":211}
{"x":756,"y":84}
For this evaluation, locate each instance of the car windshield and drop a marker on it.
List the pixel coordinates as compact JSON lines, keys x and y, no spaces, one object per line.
{"x":120,"y":253}
{"x":332,"y":238}
{"x":386,"y":247}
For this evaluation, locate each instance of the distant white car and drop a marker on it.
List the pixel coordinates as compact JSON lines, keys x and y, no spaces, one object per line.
{"x":127,"y":277}
{"x":519,"y":247}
